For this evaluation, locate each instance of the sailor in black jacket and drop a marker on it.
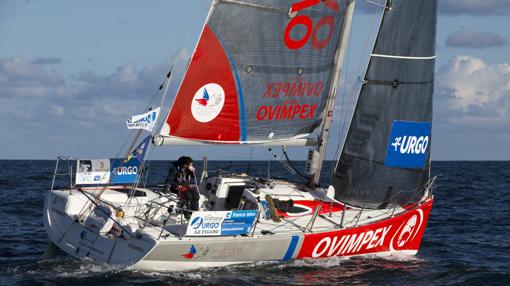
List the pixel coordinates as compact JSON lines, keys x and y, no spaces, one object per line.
{"x":180,"y":180}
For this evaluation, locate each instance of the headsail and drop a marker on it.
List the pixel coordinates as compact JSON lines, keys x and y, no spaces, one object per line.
{"x":385,"y":158}
{"x":260,"y":72}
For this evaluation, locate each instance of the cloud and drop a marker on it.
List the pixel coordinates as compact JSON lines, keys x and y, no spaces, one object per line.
{"x":474,"y":94}
{"x":47,"y":61}
{"x":474,"y":7}
{"x":37,"y":99}
{"x":475,"y":40}
{"x":22,"y":78}
{"x":126,"y":82}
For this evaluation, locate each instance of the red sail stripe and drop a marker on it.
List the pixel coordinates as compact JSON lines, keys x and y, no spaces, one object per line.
{"x":209,"y":64}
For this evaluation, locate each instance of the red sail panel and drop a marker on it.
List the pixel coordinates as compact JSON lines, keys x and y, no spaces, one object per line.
{"x":206,"y":105}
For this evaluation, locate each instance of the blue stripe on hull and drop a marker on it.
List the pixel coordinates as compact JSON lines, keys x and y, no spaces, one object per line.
{"x":292,"y":248}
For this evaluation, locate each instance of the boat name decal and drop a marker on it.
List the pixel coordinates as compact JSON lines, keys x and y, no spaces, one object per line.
{"x":350,"y":243}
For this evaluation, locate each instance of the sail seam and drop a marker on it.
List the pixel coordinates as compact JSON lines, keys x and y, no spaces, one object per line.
{"x":382,"y":163}
{"x":402,"y":57}
{"x":396,"y":83}
{"x":265,"y":7}
{"x":299,"y":140}
{"x":253,"y":5}
{"x":281,"y":69}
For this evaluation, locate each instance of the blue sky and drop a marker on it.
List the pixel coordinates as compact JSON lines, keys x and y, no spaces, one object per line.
{"x":71,"y":72}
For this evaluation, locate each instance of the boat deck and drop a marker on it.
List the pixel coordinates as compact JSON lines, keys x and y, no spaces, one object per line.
{"x":352,"y":217}
{"x":148,"y":213}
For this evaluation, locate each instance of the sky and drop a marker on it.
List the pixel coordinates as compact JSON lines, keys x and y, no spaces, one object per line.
{"x":72,"y":72}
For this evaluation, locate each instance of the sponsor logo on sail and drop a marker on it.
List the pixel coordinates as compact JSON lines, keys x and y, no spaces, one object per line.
{"x":208,"y":102}
{"x":408,"y":145}
{"x":298,"y":87}
{"x":411,"y":144}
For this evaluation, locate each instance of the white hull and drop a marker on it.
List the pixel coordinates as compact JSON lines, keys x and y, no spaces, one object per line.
{"x":364,"y":233}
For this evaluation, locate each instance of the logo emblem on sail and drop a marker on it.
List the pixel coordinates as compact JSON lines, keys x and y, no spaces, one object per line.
{"x":208,"y":102}
{"x":409,"y":143}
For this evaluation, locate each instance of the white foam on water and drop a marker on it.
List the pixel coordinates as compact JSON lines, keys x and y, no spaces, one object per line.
{"x":315,"y":262}
{"x":396,"y":256}
{"x":195,"y":275}
{"x":88,"y":267}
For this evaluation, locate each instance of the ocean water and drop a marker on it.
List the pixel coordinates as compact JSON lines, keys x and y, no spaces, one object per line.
{"x":467,"y":241}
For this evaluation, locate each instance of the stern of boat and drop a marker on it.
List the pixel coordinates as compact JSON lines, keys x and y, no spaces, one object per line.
{"x":62,"y":209}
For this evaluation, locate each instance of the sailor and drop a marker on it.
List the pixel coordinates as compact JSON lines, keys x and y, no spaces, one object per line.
{"x":179,"y":180}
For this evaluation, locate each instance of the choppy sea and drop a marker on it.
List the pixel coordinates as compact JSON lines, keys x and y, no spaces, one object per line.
{"x":467,"y":241}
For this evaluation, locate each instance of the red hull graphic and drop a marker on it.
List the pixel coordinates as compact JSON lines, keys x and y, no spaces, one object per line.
{"x":401,"y":233}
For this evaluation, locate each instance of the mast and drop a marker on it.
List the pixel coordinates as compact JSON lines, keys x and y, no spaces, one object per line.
{"x":330,"y":104}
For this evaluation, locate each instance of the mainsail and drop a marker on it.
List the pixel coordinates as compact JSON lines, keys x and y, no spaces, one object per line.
{"x":386,"y":154}
{"x":261,"y":72}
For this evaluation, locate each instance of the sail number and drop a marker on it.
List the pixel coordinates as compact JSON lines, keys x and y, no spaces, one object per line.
{"x":311,"y":30}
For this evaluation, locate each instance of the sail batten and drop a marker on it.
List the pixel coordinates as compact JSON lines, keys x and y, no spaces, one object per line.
{"x":403,"y":57}
{"x":297,"y":141}
{"x":254,"y":5}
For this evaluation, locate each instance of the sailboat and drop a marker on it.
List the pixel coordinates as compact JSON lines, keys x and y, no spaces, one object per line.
{"x":266,"y":73}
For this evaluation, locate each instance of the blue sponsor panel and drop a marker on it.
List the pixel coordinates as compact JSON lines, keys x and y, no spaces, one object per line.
{"x":221,"y":223}
{"x":238,"y":222}
{"x":409,"y":144}
{"x":124,"y":172}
